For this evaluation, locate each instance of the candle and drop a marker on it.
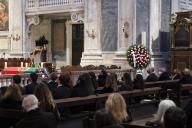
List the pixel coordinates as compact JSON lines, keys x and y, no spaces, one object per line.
{"x":134,"y":59}
{"x":26,"y":65}
{"x":5,"y":65}
{"x":22,"y":64}
{"x":41,"y":64}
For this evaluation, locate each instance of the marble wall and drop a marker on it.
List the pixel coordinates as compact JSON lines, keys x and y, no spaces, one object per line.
{"x":165,"y":25}
{"x":109,"y":24}
{"x":11,"y":41}
{"x":142,"y":20}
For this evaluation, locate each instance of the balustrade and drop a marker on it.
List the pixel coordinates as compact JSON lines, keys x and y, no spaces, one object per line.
{"x":32,"y":4}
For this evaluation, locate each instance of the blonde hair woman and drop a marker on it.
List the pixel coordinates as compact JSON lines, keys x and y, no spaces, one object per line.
{"x":117,"y":106}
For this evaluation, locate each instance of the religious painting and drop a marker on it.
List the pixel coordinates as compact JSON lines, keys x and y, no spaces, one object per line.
{"x":4,"y":15}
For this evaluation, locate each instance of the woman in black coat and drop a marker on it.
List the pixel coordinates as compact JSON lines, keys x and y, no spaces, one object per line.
{"x":84,"y":86}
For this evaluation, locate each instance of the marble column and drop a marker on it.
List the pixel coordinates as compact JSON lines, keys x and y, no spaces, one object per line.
{"x":69,"y":42}
{"x":92,"y":47}
{"x":157,"y":57}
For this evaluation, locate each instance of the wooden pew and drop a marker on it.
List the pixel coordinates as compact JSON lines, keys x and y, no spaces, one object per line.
{"x":135,"y":126}
{"x":9,"y":117}
{"x":160,"y":83}
{"x":68,"y":102}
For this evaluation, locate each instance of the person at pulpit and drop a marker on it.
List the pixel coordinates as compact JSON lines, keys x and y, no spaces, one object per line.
{"x":42,"y":44}
{"x":44,"y":53}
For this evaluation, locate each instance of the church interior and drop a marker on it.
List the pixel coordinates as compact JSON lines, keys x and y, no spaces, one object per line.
{"x":96,"y":63}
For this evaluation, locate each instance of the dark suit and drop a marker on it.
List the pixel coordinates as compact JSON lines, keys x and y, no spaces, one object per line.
{"x":80,"y":91}
{"x":152,"y":78}
{"x":10,"y":104}
{"x":52,"y":85}
{"x":29,"y":89}
{"x":62,"y":92}
{"x":106,"y":90}
{"x":164,"y":76}
{"x":186,"y":79}
{"x":188,"y":111}
{"x":37,"y":119}
{"x":101,"y":80}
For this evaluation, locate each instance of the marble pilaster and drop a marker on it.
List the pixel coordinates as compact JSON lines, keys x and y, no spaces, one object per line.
{"x":92,"y":47}
{"x":69,"y":42}
{"x":126,"y":25}
{"x":16,"y":19}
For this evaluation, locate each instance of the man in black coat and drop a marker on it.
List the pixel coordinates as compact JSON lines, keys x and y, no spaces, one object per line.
{"x":187,"y":78}
{"x":29,"y":89}
{"x":34,"y":117}
{"x":63,"y":89}
{"x":52,"y":84}
{"x":152,"y":77}
{"x":163,"y":75}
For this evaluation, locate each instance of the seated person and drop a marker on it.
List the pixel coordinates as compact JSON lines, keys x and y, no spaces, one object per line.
{"x":188,"y":111}
{"x":17,"y":81}
{"x":163,"y":75}
{"x":52,"y":84}
{"x":46,"y":101}
{"x":105,"y":119}
{"x":29,"y":89}
{"x":84,"y":86}
{"x":176,"y":74}
{"x":102,"y":78}
{"x":12,"y":98}
{"x":127,"y":83}
{"x":138,"y":82}
{"x":187,"y":78}
{"x":63,"y":89}
{"x":117,"y":106}
{"x":163,"y":106}
{"x":93,"y":79}
{"x":35,"y":118}
{"x":110,"y":84}
{"x":152,"y":77}
{"x":175,"y":118}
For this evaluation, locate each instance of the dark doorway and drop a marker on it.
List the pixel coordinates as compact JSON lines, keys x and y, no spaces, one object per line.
{"x":77,"y":43}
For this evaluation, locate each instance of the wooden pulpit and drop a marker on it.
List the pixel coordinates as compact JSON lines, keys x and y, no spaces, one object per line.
{"x":181,"y":40}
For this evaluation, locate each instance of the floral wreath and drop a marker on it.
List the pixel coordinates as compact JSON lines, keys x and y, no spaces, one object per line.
{"x":138,"y":57}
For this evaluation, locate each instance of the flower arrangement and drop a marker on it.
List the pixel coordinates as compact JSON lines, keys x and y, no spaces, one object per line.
{"x":138,"y":57}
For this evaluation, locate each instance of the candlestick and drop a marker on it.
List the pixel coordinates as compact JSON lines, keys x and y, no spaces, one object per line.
{"x":26,"y":65}
{"x":41,"y":64}
{"x":22,"y":64}
{"x":5,"y":65}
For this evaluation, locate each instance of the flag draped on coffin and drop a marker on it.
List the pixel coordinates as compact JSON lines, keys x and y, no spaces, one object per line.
{"x":30,"y":70}
{"x":18,"y":70}
{"x":12,"y":70}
